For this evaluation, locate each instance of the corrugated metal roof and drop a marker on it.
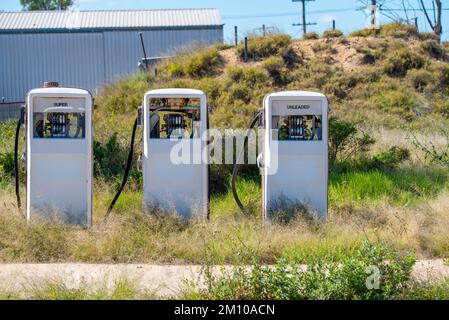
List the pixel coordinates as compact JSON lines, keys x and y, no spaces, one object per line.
{"x":120,"y":19}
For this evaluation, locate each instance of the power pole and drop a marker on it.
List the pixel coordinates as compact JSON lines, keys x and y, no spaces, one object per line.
{"x":236,"y":36}
{"x":304,"y":23}
{"x":373,"y":13}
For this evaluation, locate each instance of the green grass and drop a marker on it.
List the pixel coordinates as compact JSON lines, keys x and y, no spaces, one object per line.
{"x":399,"y":187}
{"x":426,"y":291}
{"x":121,"y":290}
{"x":250,"y":193}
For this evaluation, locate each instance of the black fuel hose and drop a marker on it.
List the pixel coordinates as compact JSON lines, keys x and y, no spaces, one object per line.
{"x":16,"y":159}
{"x":241,"y":154}
{"x":127,"y":170}
{"x":128,"y":164}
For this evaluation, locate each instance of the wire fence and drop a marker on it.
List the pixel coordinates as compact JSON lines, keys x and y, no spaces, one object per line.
{"x":10,"y":110}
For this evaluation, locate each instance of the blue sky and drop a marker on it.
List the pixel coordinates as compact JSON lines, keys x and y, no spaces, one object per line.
{"x":251,"y":14}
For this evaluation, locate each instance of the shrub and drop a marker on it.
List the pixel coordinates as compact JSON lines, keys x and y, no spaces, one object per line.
{"x":398,"y":30}
{"x":400,"y":102}
{"x":263,"y":47}
{"x":332,"y":34}
{"x":291,"y":58}
{"x":121,"y":97}
{"x":274,"y":66}
{"x":420,"y":79}
{"x":439,"y":155}
{"x":370,"y":56}
{"x":203,"y":63}
{"x":365,"y":32}
{"x":7,"y":163}
{"x":346,"y":140}
{"x":433,"y":49}
{"x":7,"y":135}
{"x":250,"y":76}
{"x":398,"y":62}
{"x":316,"y":74}
{"x":373,"y":272}
{"x":441,"y":106}
{"x":109,"y":158}
{"x":440,"y":75}
{"x":311,"y":36}
{"x":321,"y":46}
{"x":389,"y":159}
{"x":428,"y":36}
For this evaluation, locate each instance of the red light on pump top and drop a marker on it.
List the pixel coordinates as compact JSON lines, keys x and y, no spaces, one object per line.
{"x":51,"y":84}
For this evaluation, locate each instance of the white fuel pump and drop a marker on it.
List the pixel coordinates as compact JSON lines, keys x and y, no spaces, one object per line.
{"x":295,"y":151}
{"x":59,"y":154}
{"x":175,"y":119}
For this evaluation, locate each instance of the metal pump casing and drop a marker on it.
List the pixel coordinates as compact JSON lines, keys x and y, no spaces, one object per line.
{"x":295,"y":169}
{"x":59,"y":154}
{"x":181,"y":188}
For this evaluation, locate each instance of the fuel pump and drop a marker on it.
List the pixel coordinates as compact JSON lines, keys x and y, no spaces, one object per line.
{"x":294,"y":157}
{"x":171,"y":118}
{"x":59,"y":154}
{"x":174,"y":118}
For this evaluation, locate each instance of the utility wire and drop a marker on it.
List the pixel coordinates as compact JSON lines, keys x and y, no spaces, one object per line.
{"x":283,"y":14}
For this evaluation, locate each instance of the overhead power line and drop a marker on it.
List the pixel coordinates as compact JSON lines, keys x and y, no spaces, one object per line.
{"x":283,"y":14}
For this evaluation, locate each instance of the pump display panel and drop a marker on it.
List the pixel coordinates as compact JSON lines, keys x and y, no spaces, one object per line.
{"x":294,"y":128}
{"x":175,"y":118}
{"x":61,"y":125}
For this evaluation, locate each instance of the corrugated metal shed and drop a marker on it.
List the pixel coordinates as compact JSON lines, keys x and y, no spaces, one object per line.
{"x":104,"y":48}
{"x":72,"y":20}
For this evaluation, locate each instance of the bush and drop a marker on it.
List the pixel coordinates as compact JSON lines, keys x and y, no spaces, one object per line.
{"x":203,"y":63}
{"x":440,"y":74}
{"x":109,"y":158}
{"x":397,"y":30}
{"x":441,"y":106}
{"x":433,"y":49}
{"x":420,"y":79}
{"x":321,"y":46}
{"x":274,"y":66}
{"x":7,"y":138}
{"x":373,"y":272}
{"x":249,"y":76}
{"x":264,"y":47}
{"x":346,"y":140}
{"x":311,"y":36}
{"x":332,"y":34}
{"x":398,"y":62}
{"x":439,"y":155}
{"x":400,"y":102}
{"x":291,"y":58}
{"x":364,"y":32}
{"x":7,"y":163}
{"x":428,"y":36}
{"x":389,"y":159}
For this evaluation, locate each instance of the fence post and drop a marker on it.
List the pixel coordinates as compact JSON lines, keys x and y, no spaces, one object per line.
{"x":246,"y":50}
{"x":236,"y":36}
{"x":333,"y":25}
{"x":264,"y":30}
